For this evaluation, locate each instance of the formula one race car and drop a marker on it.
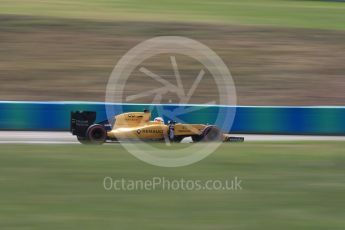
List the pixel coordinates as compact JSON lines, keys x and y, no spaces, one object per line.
{"x":137,"y":126}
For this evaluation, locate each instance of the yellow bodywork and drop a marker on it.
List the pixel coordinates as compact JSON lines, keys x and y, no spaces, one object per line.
{"x":137,"y":125}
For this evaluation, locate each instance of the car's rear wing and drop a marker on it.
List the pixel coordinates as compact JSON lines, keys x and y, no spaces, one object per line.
{"x":81,"y":121}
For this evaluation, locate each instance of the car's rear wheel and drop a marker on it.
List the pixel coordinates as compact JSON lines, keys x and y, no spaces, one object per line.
{"x":83,"y":140}
{"x":96,"y":134}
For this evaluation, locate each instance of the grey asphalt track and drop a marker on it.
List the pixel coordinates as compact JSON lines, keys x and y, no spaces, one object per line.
{"x":33,"y":137}
{"x":29,"y":137}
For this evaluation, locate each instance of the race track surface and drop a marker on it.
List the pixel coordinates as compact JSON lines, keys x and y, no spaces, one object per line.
{"x":29,"y":137}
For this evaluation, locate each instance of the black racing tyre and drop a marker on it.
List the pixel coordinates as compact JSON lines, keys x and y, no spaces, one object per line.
{"x":83,"y":140}
{"x":96,"y":134}
{"x":211,"y":133}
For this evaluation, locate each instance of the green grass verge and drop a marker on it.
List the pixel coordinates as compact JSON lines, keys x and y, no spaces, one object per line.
{"x":282,"y":13}
{"x":298,"y":185}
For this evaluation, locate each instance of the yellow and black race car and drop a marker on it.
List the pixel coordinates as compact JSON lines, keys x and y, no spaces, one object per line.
{"x":138,"y":126}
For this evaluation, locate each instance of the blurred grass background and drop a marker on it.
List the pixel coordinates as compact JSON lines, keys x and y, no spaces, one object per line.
{"x":281,"y":52}
{"x":288,"y":185}
{"x":281,"y":13}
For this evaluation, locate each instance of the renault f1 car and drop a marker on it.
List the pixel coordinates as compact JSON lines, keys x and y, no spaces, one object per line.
{"x":138,"y":126}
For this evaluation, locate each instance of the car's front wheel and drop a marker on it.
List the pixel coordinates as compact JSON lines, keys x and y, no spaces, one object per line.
{"x":209,"y":134}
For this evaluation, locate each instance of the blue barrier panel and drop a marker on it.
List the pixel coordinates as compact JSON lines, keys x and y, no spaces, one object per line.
{"x":248,"y":119}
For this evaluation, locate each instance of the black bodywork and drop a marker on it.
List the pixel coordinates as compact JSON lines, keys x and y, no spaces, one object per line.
{"x":82,"y":120}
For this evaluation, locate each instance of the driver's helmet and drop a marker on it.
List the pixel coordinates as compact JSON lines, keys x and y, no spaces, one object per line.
{"x":159,"y":120}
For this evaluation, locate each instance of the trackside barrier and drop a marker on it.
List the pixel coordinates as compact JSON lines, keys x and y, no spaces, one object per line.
{"x":55,"y":116}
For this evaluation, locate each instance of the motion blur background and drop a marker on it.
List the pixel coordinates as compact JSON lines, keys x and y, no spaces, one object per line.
{"x":280,"y":52}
